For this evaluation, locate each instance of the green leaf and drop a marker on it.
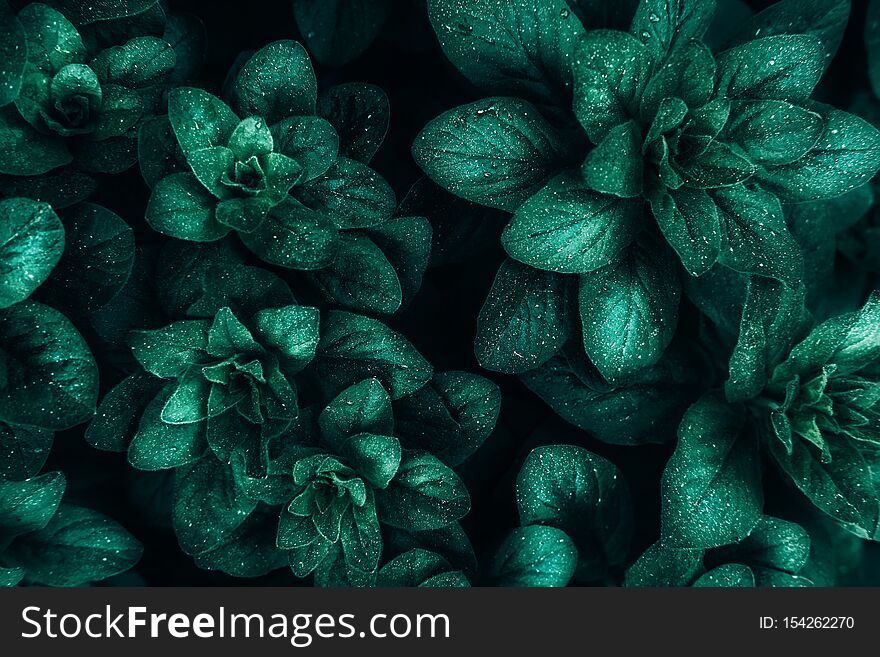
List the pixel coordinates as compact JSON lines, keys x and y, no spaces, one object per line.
{"x":615,"y":166}
{"x":208,"y":507}
{"x":31,"y":243}
{"x":157,"y":445}
{"x":424,"y":494}
{"x":181,"y":207}
{"x":199,"y":120}
{"x":29,"y":505}
{"x":840,"y":487}
{"x":363,"y":407}
{"x":534,"y":556}
{"x":522,"y":48}
{"x":337,"y":31}
{"x":496,"y":152}
{"x":13,"y":54}
{"x":523,"y":323}
{"x":582,"y":494}
{"x":824,"y":19}
{"x":644,"y":410}
{"x":568,"y":228}
{"x":360,"y":278}
{"x":688,"y":219}
{"x":116,"y":420}
{"x":711,"y":487}
{"x":663,"y":566}
{"x":310,"y":140}
{"x":451,"y":417}
{"x":295,"y":237}
{"x":773,"y":544}
{"x":610,"y":76}
{"x":275,"y":83}
{"x":250,"y":550}
{"x":353,"y":348}
{"x":49,"y":375}
{"x":141,"y":62}
{"x":351,"y":193}
{"x":420,"y":568}
{"x":756,"y":239}
{"x":84,"y":12}
{"x":850,"y":342}
{"x":406,"y":243}
{"x":360,"y":113}
{"x":10,"y":576}
{"x":717,"y":166}
{"x":846,"y":156}
{"x":771,"y":319}
{"x":291,"y":331}
{"x":663,"y":25}
{"x":783,"y":67}
{"x":23,"y":450}
{"x":52,"y":40}
{"x":375,"y":458}
{"x":97,"y":262}
{"x":771,"y":131}
{"x":26,"y":152}
{"x":168,"y":352}
{"x":729,"y":575}
{"x":688,"y":74}
{"x":629,"y":311}
{"x":158,"y":152}
{"x":78,"y":546}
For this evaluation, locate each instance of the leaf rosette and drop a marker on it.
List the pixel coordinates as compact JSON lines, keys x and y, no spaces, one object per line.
{"x":686,"y":157}
{"x":75,"y":106}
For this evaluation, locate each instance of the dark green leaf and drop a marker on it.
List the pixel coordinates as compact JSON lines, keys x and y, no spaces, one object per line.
{"x":662,"y":566}
{"x":568,"y":228}
{"x":360,"y":114}
{"x":78,"y":546}
{"x":610,"y":76}
{"x":31,"y":243}
{"x":199,"y":120}
{"x":772,"y":318}
{"x":275,"y":83}
{"x":98,"y":258}
{"x":846,"y":156}
{"x":823,"y":19}
{"x":424,"y":494}
{"x":26,"y":152}
{"x":29,"y":505}
{"x":756,"y":239}
{"x":360,"y":278}
{"x":364,"y":407}
{"x":689,"y":221}
{"x":13,"y":54}
{"x":783,"y":67}
{"x":772,"y":131}
{"x":629,"y":311}
{"x":534,"y":556}
{"x":663,"y":25}
{"x":522,"y":324}
{"x":522,"y":48}
{"x":23,"y":450}
{"x":582,"y":494}
{"x":711,"y":487}
{"x":496,"y":152}
{"x":208,"y":506}
{"x":727,"y":575}
{"x":353,"y":348}
{"x":116,"y":420}
{"x":421,"y":568}
{"x":181,"y":207}
{"x":337,"y":31}
{"x":49,"y":375}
